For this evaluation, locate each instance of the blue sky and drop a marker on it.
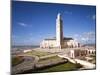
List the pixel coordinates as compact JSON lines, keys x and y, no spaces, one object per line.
{"x":32,"y":22}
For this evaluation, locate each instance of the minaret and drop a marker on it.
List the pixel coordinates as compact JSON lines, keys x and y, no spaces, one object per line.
{"x":59,"y":31}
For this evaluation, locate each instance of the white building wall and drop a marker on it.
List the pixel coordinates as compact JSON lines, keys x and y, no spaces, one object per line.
{"x":71,"y":43}
{"x":48,"y":44}
{"x":53,"y":43}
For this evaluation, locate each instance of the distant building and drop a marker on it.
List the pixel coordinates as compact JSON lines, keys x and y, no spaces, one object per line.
{"x":80,"y":53}
{"x":77,"y":53}
{"x":59,"y":41}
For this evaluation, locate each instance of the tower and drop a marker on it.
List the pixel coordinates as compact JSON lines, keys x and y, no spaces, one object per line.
{"x":59,"y":31}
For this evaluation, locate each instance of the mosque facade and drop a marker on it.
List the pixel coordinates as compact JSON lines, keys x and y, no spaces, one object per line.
{"x":59,"y":41}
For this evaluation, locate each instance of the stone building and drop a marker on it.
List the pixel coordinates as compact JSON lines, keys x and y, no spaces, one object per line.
{"x":59,"y":41}
{"x":80,"y":53}
{"x":77,"y":53}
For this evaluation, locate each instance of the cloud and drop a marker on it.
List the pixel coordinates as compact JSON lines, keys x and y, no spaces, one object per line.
{"x":22,"y":24}
{"x":76,"y":35}
{"x":30,"y":34}
{"x":86,"y":37}
{"x":68,"y":12}
{"x":14,"y":36}
{"x":89,"y":35}
{"x":92,"y":17}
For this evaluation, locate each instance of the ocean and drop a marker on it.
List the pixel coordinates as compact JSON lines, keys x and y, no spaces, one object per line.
{"x":23,"y":47}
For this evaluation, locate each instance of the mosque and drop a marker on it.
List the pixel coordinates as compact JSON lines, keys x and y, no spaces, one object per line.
{"x":59,"y":41}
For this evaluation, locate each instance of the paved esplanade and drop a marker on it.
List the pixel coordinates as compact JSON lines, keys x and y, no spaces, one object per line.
{"x":28,"y":63}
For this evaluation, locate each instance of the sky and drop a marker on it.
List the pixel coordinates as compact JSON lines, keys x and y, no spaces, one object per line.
{"x":32,"y":22}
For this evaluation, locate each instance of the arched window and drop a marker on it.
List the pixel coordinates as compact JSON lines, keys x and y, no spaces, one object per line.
{"x":92,"y":52}
{"x":89,"y":52}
